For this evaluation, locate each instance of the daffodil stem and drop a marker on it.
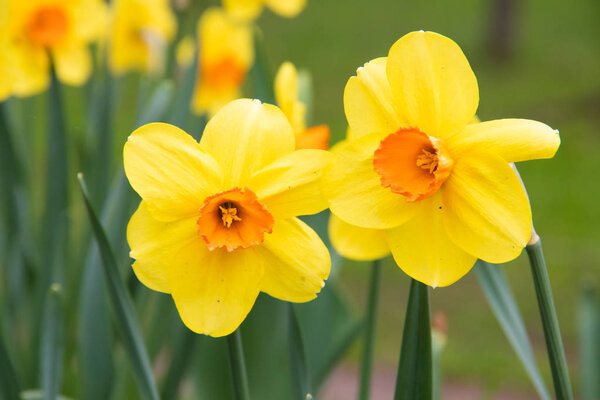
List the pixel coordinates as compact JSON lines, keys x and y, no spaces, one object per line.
{"x":237,"y":366}
{"x":554,"y":344}
{"x":369,"y":330}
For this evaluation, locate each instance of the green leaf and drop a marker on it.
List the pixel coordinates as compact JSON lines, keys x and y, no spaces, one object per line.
{"x":329,"y":329}
{"x":96,"y":336}
{"x":52,"y":343}
{"x":125,"y":314}
{"x":180,"y":361}
{"x":183,"y":96}
{"x":262,"y":78}
{"x":589,"y":344}
{"x":154,"y":109}
{"x":9,"y":384}
{"x":414,"y":380}
{"x":301,"y":386}
{"x":502,"y":301}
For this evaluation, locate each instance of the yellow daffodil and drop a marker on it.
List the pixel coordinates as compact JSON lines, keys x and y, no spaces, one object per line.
{"x":441,"y":188}
{"x":247,"y":10}
{"x":141,"y":30}
{"x":226,"y":54}
{"x":354,"y":242}
{"x":286,"y":95}
{"x":217,"y":222}
{"x":33,"y":30}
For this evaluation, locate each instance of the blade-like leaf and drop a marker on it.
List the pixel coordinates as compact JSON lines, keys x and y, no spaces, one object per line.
{"x":589,"y":344}
{"x":156,"y":106}
{"x":298,"y":365}
{"x":9,"y":384}
{"x":502,"y":301}
{"x":180,"y":361}
{"x":96,"y":335}
{"x":52,"y":344}
{"x":261,"y":76}
{"x":125,"y":314}
{"x":414,"y":380}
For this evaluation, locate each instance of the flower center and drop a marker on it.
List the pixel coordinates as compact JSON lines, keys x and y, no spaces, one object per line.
{"x":229,"y":214}
{"x":427,"y":160}
{"x":233,"y":219}
{"x":224,"y":74}
{"x":412,"y":164}
{"x":47,"y":25}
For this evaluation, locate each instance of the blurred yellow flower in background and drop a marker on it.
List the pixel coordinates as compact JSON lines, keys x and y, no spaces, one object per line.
{"x":247,"y":10}
{"x":226,"y":52}
{"x":440,"y":186}
{"x":217,"y":222}
{"x":286,"y":95}
{"x":140,"y":33}
{"x":35,"y":30}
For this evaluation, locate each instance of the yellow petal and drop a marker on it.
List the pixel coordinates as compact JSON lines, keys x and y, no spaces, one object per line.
{"x":220,"y":36}
{"x":423,"y":249}
{"x":354,"y":189}
{"x":486,"y":210}
{"x":243,"y":10}
{"x":286,"y":96}
{"x":291,"y":185}
{"x":369,"y":103}
{"x":156,"y":245}
{"x":286,"y":8}
{"x":73,"y":64}
{"x":31,"y":70}
{"x":245,"y":136}
{"x":433,"y":83}
{"x":512,"y":139}
{"x":170,"y":171}
{"x":357,"y":243}
{"x":208,"y":100}
{"x":215,"y":291}
{"x":296,"y":261}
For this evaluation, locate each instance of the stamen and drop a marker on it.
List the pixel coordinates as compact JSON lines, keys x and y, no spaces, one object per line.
{"x":428,"y":160}
{"x":228,"y":214}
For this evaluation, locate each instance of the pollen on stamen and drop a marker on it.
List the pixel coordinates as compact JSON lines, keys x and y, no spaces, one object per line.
{"x":428,"y":160}
{"x":229,"y":214}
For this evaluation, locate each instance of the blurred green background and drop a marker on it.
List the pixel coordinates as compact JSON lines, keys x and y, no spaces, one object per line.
{"x":536,"y":59}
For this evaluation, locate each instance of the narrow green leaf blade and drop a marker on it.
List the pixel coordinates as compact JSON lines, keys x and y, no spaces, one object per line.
{"x":125,"y":314}
{"x":52,"y":344}
{"x":589,"y":339}
{"x":301,"y":386}
{"x":502,"y":301}
{"x":180,"y":361}
{"x":262,"y":78}
{"x":414,"y":380}
{"x":9,"y":384}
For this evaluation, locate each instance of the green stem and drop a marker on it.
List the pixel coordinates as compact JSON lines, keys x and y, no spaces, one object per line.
{"x":414,"y":380}
{"x":370,"y":323}
{"x":556,"y":352}
{"x":237,"y":366}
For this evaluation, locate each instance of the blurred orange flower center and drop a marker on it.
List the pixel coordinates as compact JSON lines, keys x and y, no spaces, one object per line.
{"x":47,"y":25}
{"x":412,"y":163}
{"x":224,"y":74}
{"x":316,"y":137}
{"x":233,"y":219}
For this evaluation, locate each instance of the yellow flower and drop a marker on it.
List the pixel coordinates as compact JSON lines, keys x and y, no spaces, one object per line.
{"x":286,"y":95}
{"x":226,"y":54}
{"x":442,"y":188}
{"x":35,"y":29}
{"x":247,"y":10}
{"x":141,"y":30}
{"x":185,"y":52}
{"x":217,"y":222}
